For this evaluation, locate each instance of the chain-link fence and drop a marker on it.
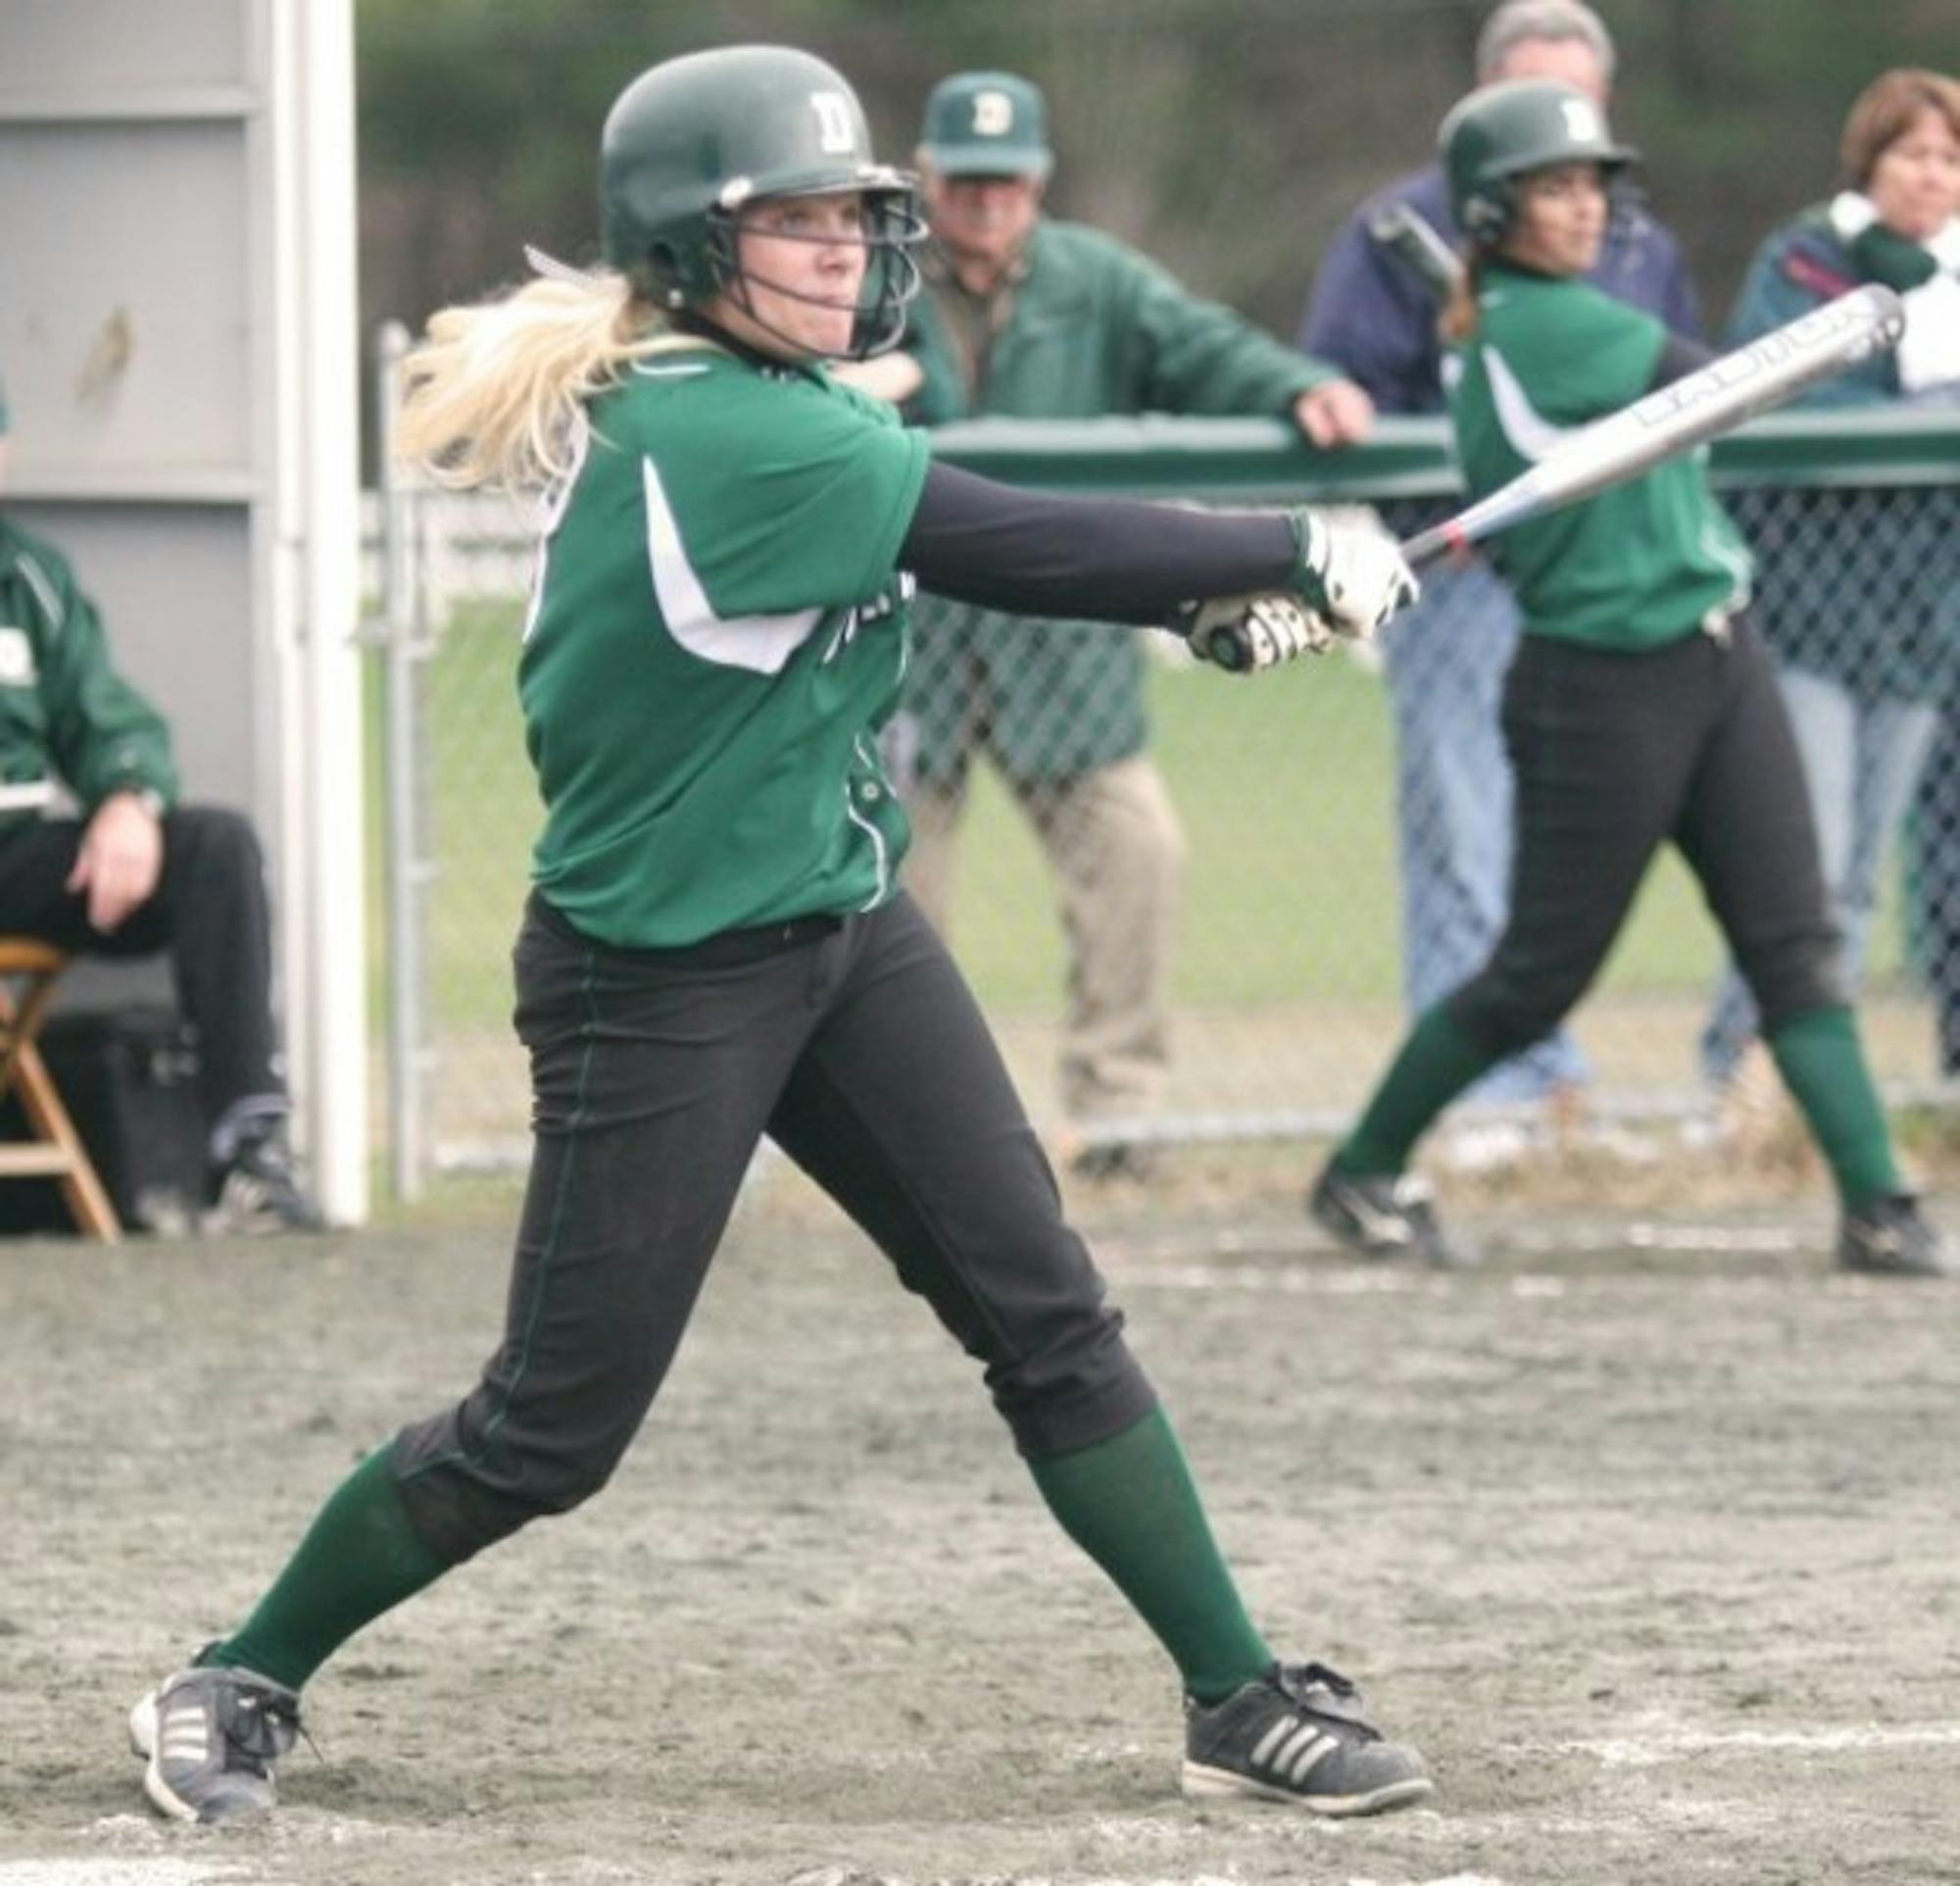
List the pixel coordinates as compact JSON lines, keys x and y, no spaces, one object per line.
{"x":1286,"y":970}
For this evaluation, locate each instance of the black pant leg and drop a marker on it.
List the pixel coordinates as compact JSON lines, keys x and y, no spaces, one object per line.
{"x":36,"y":856}
{"x":212,"y":909}
{"x":651,"y":1079}
{"x":1602,"y":743}
{"x":1747,"y":832}
{"x":901,"y":1110}
{"x":209,"y":911}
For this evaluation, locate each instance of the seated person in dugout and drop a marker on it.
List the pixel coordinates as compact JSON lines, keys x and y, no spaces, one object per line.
{"x":131,"y":872}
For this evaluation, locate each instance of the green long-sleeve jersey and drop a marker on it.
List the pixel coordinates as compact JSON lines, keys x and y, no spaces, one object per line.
{"x":1639,"y":564}
{"x":67,"y":718}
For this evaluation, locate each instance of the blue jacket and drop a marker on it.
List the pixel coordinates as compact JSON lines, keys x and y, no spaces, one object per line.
{"x":1373,"y":315}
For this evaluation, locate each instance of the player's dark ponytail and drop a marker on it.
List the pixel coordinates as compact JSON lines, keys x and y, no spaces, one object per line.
{"x":1459,"y":320}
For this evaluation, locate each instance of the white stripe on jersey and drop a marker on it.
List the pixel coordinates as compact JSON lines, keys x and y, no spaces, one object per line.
{"x":1532,"y":435}
{"x":878,"y":851}
{"x":49,"y":597}
{"x":759,"y":643}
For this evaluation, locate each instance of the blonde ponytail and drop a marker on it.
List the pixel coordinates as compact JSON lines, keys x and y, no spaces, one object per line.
{"x":496,"y":394}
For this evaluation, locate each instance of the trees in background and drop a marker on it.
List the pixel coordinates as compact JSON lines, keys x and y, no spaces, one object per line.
{"x":1227,"y":137}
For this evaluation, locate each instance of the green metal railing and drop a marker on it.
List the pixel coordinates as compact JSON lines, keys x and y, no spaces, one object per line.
{"x":1288,"y":989}
{"x":1253,"y":460}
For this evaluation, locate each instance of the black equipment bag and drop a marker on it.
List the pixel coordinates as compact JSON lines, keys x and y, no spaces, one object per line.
{"x":128,"y":1078}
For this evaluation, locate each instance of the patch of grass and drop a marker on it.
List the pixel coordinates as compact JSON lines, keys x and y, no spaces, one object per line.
{"x":1285,"y":785}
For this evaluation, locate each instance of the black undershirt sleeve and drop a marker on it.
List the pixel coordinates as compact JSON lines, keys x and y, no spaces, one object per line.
{"x":1679,"y":357}
{"x":1109,"y":558}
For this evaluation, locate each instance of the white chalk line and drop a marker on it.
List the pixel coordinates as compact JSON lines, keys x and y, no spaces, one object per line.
{"x":1676,"y":1745}
{"x":119,"y":1872}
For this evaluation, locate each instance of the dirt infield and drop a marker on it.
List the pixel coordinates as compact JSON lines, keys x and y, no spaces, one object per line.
{"x":1648,"y":1533}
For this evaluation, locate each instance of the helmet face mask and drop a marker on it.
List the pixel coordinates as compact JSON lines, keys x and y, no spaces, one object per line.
{"x":892,"y":231}
{"x":694,"y":142}
{"x":1501,"y":133}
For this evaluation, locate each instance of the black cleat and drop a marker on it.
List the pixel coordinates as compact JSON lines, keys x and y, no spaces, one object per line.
{"x":1888,"y":1236}
{"x":211,"y":1736}
{"x":1111,"y":1159}
{"x":259,"y":1194}
{"x":1296,"y":1735}
{"x":1385,"y":1215}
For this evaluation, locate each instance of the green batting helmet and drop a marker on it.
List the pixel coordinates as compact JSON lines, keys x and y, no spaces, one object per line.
{"x":986,"y":123}
{"x":691,"y":140}
{"x":1502,"y":132}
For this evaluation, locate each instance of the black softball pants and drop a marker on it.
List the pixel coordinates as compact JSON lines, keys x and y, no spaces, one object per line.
{"x":209,"y":911}
{"x":855,"y":1045}
{"x":1615,"y":753}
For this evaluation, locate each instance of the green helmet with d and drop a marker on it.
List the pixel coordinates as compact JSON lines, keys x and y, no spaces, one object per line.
{"x":691,"y":140}
{"x":1502,"y":132}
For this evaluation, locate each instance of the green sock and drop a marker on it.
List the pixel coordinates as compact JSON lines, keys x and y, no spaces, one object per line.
{"x":1436,"y":1063}
{"x":1823,"y":1065}
{"x":359,"y":1558}
{"x":1130,"y":1504}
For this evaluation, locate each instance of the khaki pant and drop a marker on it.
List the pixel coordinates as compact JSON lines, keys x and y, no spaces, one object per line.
{"x":1114,"y":840}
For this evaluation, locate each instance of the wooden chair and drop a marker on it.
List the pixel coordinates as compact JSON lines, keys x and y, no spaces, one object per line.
{"x":28,"y":971}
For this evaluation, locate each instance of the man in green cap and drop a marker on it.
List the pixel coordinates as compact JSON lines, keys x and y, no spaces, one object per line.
{"x":1032,"y":317}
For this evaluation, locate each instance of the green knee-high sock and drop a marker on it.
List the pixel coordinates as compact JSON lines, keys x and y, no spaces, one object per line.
{"x":359,"y":1558}
{"x":1436,"y":1063}
{"x":1131,"y":1504}
{"x":1822,"y":1061}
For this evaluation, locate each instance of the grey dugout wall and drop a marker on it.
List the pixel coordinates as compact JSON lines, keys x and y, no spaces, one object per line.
{"x":178,"y":340}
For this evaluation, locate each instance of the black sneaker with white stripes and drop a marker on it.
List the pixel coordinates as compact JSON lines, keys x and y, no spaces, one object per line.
{"x":1295,"y":1734}
{"x":259,"y":1193}
{"x":211,"y":1736}
{"x":1889,"y":1237}
{"x":1385,"y":1215}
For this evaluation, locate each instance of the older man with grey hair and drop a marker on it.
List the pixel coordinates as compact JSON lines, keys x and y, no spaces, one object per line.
{"x":1542,"y":39}
{"x":1374,"y":313}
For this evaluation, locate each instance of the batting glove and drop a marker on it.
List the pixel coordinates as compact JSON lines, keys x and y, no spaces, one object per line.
{"x":1246,"y":633}
{"x":1352,"y":576}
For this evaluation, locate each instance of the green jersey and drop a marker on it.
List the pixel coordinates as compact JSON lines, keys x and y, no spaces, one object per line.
{"x":66,"y":716}
{"x":717,"y":631}
{"x":1636,"y":567}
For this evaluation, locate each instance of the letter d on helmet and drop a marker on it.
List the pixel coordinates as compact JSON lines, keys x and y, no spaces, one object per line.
{"x":691,"y":140}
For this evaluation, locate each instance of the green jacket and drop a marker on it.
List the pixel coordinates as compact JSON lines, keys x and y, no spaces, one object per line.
{"x":1095,"y":331}
{"x":64,"y":714}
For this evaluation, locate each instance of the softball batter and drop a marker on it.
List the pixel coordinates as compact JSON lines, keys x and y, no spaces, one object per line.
{"x":714,"y":949}
{"x":1641,"y":708}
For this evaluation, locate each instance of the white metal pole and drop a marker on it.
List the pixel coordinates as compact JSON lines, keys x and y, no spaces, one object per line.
{"x":320,"y":397}
{"x":409,"y":869}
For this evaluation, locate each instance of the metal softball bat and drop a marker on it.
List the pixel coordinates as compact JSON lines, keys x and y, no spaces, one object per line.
{"x":1699,"y":406}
